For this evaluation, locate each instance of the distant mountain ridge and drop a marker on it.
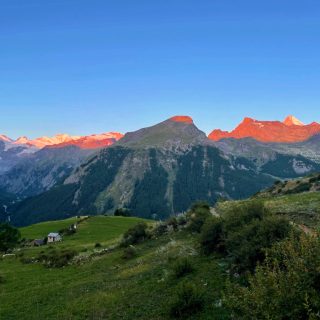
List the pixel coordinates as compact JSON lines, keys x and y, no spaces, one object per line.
{"x":13,"y":152}
{"x":291,"y":130}
{"x":61,"y":140}
{"x":162,"y":169}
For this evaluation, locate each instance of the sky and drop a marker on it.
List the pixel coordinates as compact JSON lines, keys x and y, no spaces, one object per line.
{"x":90,"y":66}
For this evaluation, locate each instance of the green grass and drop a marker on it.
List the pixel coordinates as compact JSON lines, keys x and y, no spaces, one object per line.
{"x":301,"y":208}
{"x":108,"y":287}
{"x":42,"y":229}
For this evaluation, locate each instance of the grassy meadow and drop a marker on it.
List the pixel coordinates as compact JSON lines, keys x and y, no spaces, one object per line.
{"x":103,"y":283}
{"x":107,"y":286}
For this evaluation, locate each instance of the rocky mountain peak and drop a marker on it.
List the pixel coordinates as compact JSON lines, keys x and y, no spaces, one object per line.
{"x":291,"y":130}
{"x":292,"y":121}
{"x":184,"y":119}
{"x":178,"y":131}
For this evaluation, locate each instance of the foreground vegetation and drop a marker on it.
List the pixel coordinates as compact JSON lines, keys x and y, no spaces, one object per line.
{"x":245,"y":260}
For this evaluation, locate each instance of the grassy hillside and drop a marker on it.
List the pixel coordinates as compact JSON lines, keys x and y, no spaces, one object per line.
{"x":106,"y":286}
{"x":97,"y":229}
{"x":302,"y":208}
{"x":144,"y":281}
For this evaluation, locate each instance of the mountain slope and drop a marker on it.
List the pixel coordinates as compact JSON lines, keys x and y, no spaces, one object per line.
{"x":161,"y":170}
{"x":13,"y":152}
{"x":289,"y":131}
{"x":42,"y":170}
{"x":153,"y":172}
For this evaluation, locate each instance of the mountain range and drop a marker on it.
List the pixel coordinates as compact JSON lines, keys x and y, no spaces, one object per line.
{"x":154,"y":172}
{"x":86,"y":142}
{"x":289,"y":131}
{"x":13,"y":151}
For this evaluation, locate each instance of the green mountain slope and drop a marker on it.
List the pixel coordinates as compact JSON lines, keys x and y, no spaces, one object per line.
{"x":161,"y":170}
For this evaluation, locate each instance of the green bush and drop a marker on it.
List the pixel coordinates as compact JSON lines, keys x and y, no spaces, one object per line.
{"x":243,"y":233}
{"x":26,"y":260}
{"x":212,"y":236}
{"x":9,"y":237}
{"x":173,"y":223}
{"x":197,"y":215}
{"x":129,"y":253}
{"x":135,"y":234}
{"x":188,"y":301}
{"x":2,"y":279}
{"x":182,"y":267}
{"x":181,"y":219}
{"x":98,"y":245}
{"x":160,"y":229}
{"x":56,"y":258}
{"x":123,"y":212}
{"x":285,"y":286}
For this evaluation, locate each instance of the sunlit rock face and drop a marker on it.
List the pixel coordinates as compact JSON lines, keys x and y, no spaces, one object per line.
{"x":291,"y":130}
{"x":185,"y":119}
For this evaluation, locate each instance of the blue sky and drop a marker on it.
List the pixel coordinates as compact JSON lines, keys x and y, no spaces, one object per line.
{"x":92,"y":66}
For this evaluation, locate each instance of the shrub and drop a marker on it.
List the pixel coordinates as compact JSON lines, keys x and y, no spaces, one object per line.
{"x":98,"y":245}
{"x":2,"y":279}
{"x":188,"y":301}
{"x":9,"y":237}
{"x":199,"y":205}
{"x":212,"y":236}
{"x":314,"y":179}
{"x":285,"y":286}
{"x":122,"y":212}
{"x":181,"y":219}
{"x":182,"y":267}
{"x":197,"y":216}
{"x":160,"y":229}
{"x":134,"y":235}
{"x":57,"y":258}
{"x":243,"y":233}
{"x":129,"y":253}
{"x":173,"y":223}
{"x":249,"y":231}
{"x":26,"y":260}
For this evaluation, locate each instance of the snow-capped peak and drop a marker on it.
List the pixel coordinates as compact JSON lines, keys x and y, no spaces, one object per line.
{"x":5,"y":138}
{"x":22,"y":140}
{"x":292,"y":121}
{"x":61,"y":139}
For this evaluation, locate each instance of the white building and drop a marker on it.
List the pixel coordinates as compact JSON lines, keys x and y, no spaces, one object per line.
{"x":54,"y":237}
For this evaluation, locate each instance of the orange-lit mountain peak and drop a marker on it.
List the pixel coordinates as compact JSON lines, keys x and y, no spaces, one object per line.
{"x":61,"y":140}
{"x":292,"y":121}
{"x":248,"y":120}
{"x":22,"y":140}
{"x":290,"y":131}
{"x":185,"y":119}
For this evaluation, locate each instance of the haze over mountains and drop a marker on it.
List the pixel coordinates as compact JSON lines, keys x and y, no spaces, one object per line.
{"x":157,"y":171}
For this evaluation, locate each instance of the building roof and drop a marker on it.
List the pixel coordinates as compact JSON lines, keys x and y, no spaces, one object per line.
{"x":53,"y":234}
{"x":38,"y":241}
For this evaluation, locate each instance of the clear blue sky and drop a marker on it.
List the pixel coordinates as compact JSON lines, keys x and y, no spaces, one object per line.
{"x":91,"y":66}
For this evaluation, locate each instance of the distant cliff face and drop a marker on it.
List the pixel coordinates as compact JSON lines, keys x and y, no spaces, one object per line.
{"x":161,"y":170}
{"x":290,"y":131}
{"x":40,"y":171}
